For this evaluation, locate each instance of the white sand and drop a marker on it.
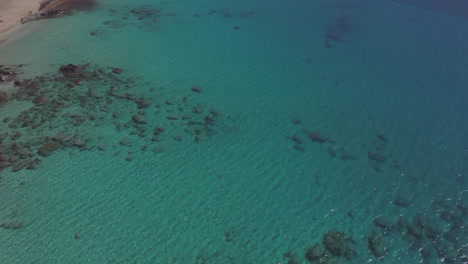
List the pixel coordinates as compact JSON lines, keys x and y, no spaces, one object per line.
{"x":11,"y":12}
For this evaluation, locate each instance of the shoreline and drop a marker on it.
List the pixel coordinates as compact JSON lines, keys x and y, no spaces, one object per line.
{"x":11,"y":13}
{"x":14,"y":13}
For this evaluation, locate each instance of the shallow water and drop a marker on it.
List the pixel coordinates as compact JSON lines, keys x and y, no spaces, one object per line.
{"x":306,"y":117}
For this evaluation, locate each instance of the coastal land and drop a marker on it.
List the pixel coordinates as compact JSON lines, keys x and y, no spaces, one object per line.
{"x":12,"y":11}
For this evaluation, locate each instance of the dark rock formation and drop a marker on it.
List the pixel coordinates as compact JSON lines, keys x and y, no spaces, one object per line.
{"x":41,"y":99}
{"x":383,"y":223}
{"x":48,"y":148}
{"x":146,"y":11}
{"x":69,"y":68}
{"x":375,"y":156}
{"x":51,"y":13}
{"x":318,"y":137}
{"x":376,"y":245}
{"x":197,"y":109}
{"x":4,"y":164}
{"x":97,"y":97}
{"x":402,"y":201}
{"x":117,"y":70}
{"x":334,"y":242}
{"x":139,"y":119}
{"x":382,"y":138}
{"x":9,"y":73}
{"x":338,"y":244}
{"x":197,"y":89}
{"x":316,"y":253}
{"x":4,"y":97}
{"x":297,"y":139}
{"x":125,"y":141}
{"x":142,"y":103}
{"x":296,"y":121}
{"x":12,"y":225}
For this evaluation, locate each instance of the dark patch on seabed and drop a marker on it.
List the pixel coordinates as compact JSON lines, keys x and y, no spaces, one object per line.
{"x":435,"y":234}
{"x":143,"y":17}
{"x":155,"y":119}
{"x":458,"y":8}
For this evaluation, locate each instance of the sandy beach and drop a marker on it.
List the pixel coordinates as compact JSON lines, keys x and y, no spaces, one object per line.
{"x":11,"y":13}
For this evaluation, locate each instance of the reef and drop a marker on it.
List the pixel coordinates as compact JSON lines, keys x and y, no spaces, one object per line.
{"x":68,"y":107}
{"x":316,"y":253}
{"x":335,"y":245}
{"x":145,"y":17}
{"x":376,"y":245}
{"x":8,"y":73}
{"x":443,"y":237}
{"x":437,"y":234}
{"x":430,"y":242}
{"x":228,"y":13}
{"x":338,"y":244}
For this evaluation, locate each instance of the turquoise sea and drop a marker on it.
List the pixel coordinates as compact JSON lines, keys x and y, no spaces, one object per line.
{"x":222,"y":131}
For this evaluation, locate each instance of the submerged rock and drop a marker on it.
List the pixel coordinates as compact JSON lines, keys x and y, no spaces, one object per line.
{"x":376,"y":245}
{"x":48,"y":148}
{"x":139,"y":119}
{"x":69,"y":68}
{"x":117,"y":70}
{"x":4,"y":97}
{"x":338,"y":244}
{"x":316,"y":253}
{"x":59,"y":116}
{"x":142,"y":103}
{"x":318,"y":137}
{"x":197,"y":89}
{"x":375,"y":156}
{"x":4,"y":164}
{"x":12,"y":225}
{"x":383,"y":223}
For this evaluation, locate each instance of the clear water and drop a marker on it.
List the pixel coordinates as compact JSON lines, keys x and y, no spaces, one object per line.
{"x":382,"y":83}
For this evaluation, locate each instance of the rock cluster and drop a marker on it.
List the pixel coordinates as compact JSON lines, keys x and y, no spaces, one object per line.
{"x":67,"y":107}
{"x":8,"y":73}
{"x":376,"y":245}
{"x":443,"y":237}
{"x":227,"y":13}
{"x":4,"y":97}
{"x":142,"y":16}
{"x":376,"y":154}
{"x":146,"y":12}
{"x":316,"y":136}
{"x":11,"y":225}
{"x":335,"y":245}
